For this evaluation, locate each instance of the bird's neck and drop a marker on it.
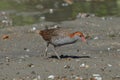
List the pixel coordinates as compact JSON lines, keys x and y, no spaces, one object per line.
{"x":72,"y":35}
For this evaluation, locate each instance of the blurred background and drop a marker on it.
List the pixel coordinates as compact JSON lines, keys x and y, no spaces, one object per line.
{"x":26,"y":12}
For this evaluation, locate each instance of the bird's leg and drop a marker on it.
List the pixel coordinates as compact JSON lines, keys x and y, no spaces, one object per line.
{"x":46,"y":50}
{"x":54,"y":49}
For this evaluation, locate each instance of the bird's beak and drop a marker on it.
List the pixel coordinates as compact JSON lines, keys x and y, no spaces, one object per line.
{"x":83,"y":39}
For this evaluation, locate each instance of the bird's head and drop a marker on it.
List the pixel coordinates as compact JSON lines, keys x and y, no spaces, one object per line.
{"x":80,"y":34}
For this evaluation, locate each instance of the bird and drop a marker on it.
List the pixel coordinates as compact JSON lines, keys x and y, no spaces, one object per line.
{"x":59,"y":37}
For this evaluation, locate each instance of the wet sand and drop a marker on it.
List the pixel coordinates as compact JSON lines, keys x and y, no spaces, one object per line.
{"x":21,"y":53}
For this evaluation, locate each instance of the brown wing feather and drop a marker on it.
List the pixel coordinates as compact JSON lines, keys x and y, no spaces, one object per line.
{"x":62,"y":32}
{"x":48,"y":34}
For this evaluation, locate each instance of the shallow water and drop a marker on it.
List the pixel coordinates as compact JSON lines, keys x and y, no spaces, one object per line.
{"x":30,"y":12}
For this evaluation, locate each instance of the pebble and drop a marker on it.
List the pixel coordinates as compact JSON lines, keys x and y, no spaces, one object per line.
{"x":118,"y":76}
{"x":95,"y":38}
{"x":51,"y":11}
{"x":103,"y":18}
{"x":7,"y":59}
{"x":42,"y":18}
{"x":77,"y":60}
{"x":97,"y":77}
{"x":14,"y":79}
{"x":66,"y":66}
{"x":101,"y":51}
{"x":78,"y":78}
{"x":4,"y":37}
{"x":26,"y":49}
{"x":51,"y":77}
{"x":64,"y":4}
{"x":27,"y":56}
{"x":83,"y":65}
{"x":82,"y":15}
{"x":108,"y":49}
{"x":35,"y":79}
{"x":109,"y":65}
{"x":33,"y":29}
{"x":31,"y":65}
{"x":22,"y":57}
{"x":39,"y":77}
{"x":118,"y":50}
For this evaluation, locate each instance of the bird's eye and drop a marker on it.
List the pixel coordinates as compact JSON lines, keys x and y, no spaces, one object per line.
{"x":80,"y":35}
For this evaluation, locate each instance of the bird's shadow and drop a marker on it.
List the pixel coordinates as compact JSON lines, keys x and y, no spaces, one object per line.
{"x":66,"y":56}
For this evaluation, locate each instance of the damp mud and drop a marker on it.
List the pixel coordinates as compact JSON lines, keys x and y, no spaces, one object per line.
{"x":22,"y":50}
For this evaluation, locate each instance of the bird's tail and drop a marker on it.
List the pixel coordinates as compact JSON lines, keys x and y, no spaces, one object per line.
{"x":38,"y":31}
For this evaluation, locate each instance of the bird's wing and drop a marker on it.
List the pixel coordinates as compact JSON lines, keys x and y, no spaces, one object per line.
{"x":61,"y":32}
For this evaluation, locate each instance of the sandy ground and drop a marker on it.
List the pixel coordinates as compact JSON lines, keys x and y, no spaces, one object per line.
{"x":21,"y":53}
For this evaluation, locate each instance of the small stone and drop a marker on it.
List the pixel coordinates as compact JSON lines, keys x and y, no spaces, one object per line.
{"x":33,"y":29}
{"x":109,"y":65}
{"x":103,"y":18}
{"x":87,"y":66}
{"x":35,"y":79}
{"x":4,"y":37}
{"x":83,"y":65}
{"x":27,"y":56}
{"x":66,"y":66}
{"x":118,"y":50}
{"x":77,"y":60}
{"x":38,"y":77}
{"x":31,"y":65}
{"x":64,"y":4}
{"x":26,"y":49}
{"x":95,"y":38}
{"x":78,"y":78}
{"x":7,"y":59}
{"x":14,"y":79}
{"x":108,"y":49}
{"x":22,"y":57}
{"x":51,"y":11}
{"x":42,"y":18}
{"x":51,"y":77}
{"x":96,"y":77}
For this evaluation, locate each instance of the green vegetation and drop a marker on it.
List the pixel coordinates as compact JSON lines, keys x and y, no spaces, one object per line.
{"x":18,"y":6}
{"x":5,"y":5}
{"x":82,"y":7}
{"x":22,"y":20}
{"x":99,"y":8}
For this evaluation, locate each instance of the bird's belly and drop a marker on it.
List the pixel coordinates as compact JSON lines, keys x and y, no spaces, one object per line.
{"x":63,"y":41}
